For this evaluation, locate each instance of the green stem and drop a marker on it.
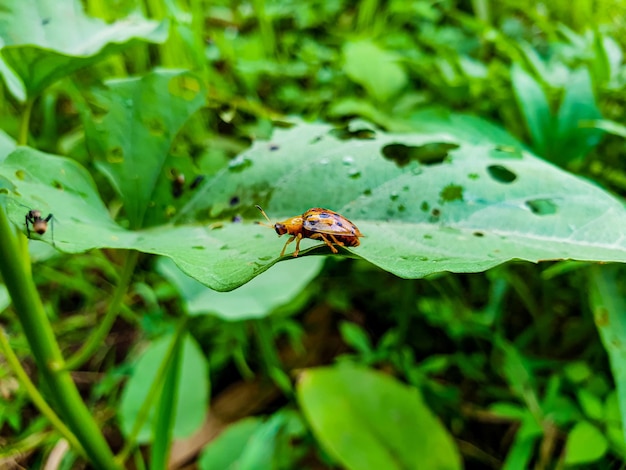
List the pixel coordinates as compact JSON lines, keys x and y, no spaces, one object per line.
{"x":165,"y":408}
{"x":155,"y":388}
{"x":266,"y":28}
{"x":22,"y":137}
{"x":46,"y":351}
{"x":99,"y":335}
{"x":35,"y":396}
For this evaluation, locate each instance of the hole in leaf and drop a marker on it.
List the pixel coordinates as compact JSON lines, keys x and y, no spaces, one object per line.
{"x":234,"y":201}
{"x":394,"y":196}
{"x":478,"y":234}
{"x":501,"y":174}
{"x":57,"y":184}
{"x":452,"y":192}
{"x":156,"y":126}
{"x":274,"y":147}
{"x":424,"y":206}
{"x":184,"y":86}
{"x":115,"y":155}
{"x":542,"y":206}
{"x":357,"y":133}
{"x":367,"y":192}
{"x":429,"y":154}
{"x":354,"y":173}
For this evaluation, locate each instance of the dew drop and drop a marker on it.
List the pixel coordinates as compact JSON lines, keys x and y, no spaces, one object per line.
{"x":354,"y":173}
{"x":348,"y":160}
{"x":324,"y":161}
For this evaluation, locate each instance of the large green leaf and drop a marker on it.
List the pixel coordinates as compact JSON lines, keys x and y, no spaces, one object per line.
{"x":368,"y":420}
{"x":45,"y":40}
{"x":131,"y":141}
{"x":480,"y":206}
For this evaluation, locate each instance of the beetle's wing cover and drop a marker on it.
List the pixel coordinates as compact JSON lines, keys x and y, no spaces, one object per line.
{"x":327,"y":221}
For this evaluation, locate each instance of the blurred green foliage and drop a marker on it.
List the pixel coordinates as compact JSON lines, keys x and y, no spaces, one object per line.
{"x":146,"y":112}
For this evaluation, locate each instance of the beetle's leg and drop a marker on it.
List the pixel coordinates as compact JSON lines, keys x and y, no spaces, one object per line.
{"x":329,"y":243}
{"x":337,"y":242}
{"x":295,"y":253}
{"x":26,"y":221}
{"x":287,"y":243}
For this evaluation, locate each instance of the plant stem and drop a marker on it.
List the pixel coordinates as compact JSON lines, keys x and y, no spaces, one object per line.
{"x":99,"y":335}
{"x":153,"y":393}
{"x":46,"y":351}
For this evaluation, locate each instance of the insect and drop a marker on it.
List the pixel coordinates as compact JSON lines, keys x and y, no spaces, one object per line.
{"x":38,"y":223}
{"x":316,"y":224}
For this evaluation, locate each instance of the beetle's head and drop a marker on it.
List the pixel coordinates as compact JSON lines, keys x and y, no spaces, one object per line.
{"x":280,"y":228}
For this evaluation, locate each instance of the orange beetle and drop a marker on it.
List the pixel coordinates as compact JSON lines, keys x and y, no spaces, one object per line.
{"x":316,"y":224}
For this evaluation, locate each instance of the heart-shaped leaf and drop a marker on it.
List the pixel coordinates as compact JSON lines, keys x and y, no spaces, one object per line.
{"x":426,"y":203}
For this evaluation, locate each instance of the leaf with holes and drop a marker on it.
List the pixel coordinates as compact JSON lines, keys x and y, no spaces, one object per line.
{"x":425,"y":203}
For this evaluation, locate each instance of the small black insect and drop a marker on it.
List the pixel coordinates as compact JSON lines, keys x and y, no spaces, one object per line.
{"x":38,"y":223}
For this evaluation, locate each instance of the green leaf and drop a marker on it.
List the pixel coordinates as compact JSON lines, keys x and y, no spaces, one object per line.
{"x":39,"y":46}
{"x":252,"y":444}
{"x":466,"y":208}
{"x":226,"y":449}
{"x":374,"y":69}
{"x":368,"y":420}
{"x":608,"y":126}
{"x":606,"y":297}
{"x":191,"y":396}
{"x":585,"y":444}
{"x":257,"y":299}
{"x":534,"y":106}
{"x":132,"y":140}
{"x":574,"y":136}
{"x":590,"y":403}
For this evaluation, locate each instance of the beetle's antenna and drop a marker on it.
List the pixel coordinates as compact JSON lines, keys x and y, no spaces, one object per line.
{"x":271,"y":225}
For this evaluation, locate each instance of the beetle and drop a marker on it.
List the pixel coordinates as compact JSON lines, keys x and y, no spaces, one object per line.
{"x":316,"y":224}
{"x":38,"y":223}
